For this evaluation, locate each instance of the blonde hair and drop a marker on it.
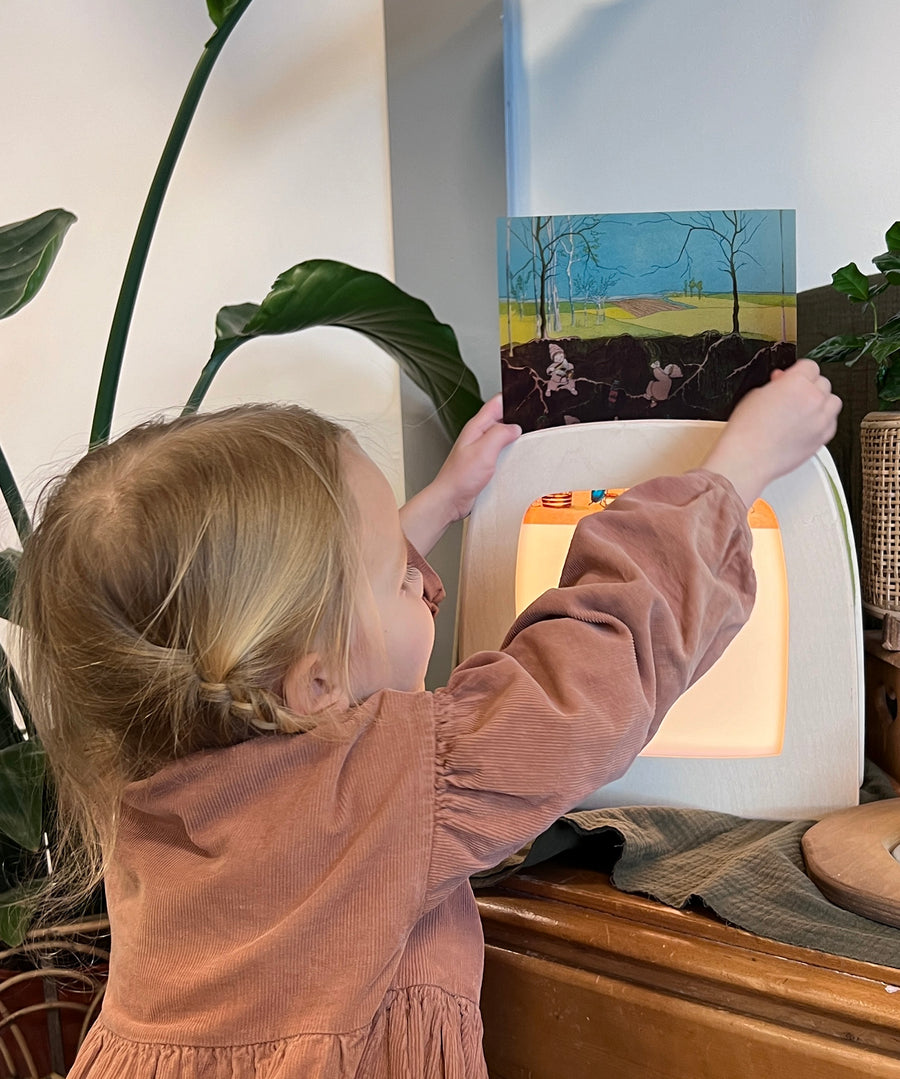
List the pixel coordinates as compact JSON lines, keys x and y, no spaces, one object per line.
{"x":173,"y":578}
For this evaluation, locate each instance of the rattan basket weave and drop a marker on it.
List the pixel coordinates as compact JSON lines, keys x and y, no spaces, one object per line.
{"x":51,"y":989}
{"x":880,"y":569}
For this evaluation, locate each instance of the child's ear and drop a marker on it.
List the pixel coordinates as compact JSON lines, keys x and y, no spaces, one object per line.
{"x":309,"y":689}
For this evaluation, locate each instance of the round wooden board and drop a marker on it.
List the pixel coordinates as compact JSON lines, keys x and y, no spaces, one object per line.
{"x":849,"y":857}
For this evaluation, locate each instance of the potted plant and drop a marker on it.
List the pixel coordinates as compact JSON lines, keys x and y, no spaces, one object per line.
{"x":880,"y":434}
{"x":883,"y":343}
{"x":311,"y":293}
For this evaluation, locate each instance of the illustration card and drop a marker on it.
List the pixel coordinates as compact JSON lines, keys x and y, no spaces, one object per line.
{"x":643,"y":316}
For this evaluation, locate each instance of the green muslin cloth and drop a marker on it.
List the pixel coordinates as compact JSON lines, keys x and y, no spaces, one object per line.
{"x":750,"y":872}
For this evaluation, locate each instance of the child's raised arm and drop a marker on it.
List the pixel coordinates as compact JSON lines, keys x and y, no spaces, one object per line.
{"x":775,"y":429}
{"x":469,"y":465}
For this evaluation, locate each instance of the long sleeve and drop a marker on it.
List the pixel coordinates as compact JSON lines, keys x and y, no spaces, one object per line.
{"x":432,"y":585}
{"x":653,"y":590}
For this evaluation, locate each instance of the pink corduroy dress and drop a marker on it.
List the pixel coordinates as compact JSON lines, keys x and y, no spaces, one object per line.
{"x":299,"y":906}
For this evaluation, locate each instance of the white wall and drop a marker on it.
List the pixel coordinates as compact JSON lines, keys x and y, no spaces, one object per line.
{"x":645,"y":104}
{"x":641,"y":105}
{"x":445,"y":98}
{"x":286,"y":160}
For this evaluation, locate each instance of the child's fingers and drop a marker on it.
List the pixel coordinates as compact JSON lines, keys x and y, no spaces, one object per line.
{"x":822,"y":386}
{"x":495,"y":438}
{"x":808,"y":369}
{"x":491,"y":412}
{"x":490,"y":415}
{"x":804,"y":371}
{"x":504,"y":433}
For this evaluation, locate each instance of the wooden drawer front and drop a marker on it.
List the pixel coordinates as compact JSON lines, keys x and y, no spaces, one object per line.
{"x":584,"y":981}
{"x":544,"y":1020}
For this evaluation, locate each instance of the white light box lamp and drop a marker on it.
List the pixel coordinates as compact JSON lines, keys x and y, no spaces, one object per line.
{"x":775,"y":728}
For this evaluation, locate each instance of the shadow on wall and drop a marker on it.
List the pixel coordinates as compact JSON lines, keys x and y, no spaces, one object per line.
{"x":448,"y":181}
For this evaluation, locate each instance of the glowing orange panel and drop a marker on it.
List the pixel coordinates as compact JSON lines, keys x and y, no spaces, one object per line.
{"x":737,"y":709}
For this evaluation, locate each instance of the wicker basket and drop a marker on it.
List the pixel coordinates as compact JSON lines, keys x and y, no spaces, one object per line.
{"x":880,"y":569}
{"x":51,"y":988}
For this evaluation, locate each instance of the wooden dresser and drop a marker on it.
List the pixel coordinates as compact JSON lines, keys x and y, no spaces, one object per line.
{"x":585,"y":982}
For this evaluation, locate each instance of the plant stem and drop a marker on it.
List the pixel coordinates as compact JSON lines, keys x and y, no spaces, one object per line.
{"x":199,"y":390}
{"x":15,"y":687}
{"x":205,"y":380}
{"x":14,"y":500}
{"x":118,"y":334}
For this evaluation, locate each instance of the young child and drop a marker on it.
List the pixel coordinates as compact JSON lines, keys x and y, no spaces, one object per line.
{"x":226,"y":636}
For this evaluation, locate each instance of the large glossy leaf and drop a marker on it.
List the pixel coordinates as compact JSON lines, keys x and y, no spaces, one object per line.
{"x":18,"y":907}
{"x":892,"y":237}
{"x":885,"y":347}
{"x":27,"y":251}
{"x":837,"y":349}
{"x":851,"y":281}
{"x":21,"y":791}
{"x":889,"y":265}
{"x":321,"y":292}
{"x":889,"y":386}
{"x":891,"y":327}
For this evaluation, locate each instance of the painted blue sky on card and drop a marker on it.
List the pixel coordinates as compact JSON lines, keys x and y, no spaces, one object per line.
{"x":652,"y":254}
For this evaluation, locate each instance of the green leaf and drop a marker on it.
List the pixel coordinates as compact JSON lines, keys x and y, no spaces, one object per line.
{"x":891,"y":327}
{"x":889,"y":386}
{"x":18,"y":907}
{"x":889,"y":265}
{"x":837,"y":349}
{"x":852,"y":282}
{"x":21,"y":790}
{"x":884,"y":348}
{"x":892,"y":237}
{"x":219,"y":10}
{"x":321,"y":292}
{"x":9,"y":565}
{"x":889,"y":332}
{"x":230,"y":321}
{"x":27,"y":251}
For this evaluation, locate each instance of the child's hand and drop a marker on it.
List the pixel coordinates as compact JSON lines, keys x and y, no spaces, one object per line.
{"x":465,"y":473}
{"x":775,"y":428}
{"x":473,"y":459}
